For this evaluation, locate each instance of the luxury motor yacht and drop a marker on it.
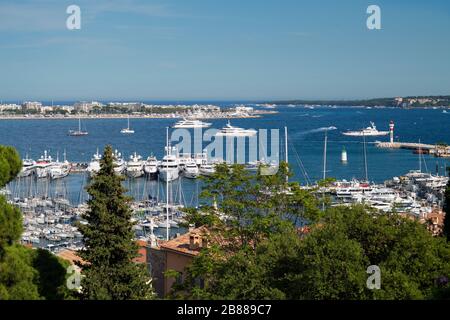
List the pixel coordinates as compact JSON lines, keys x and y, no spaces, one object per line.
{"x":191,"y":124}
{"x":94,"y":166}
{"x":43,"y":165}
{"x":191,"y":170}
{"x":169,"y":167}
{"x":368,"y":132}
{"x":151,"y":167}
{"x":135,"y":166}
{"x":119,"y":163}
{"x":230,"y":131}
{"x":207,"y":169}
{"x":27,"y":167}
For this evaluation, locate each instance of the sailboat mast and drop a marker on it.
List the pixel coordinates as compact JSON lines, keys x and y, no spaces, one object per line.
{"x":365,"y":159}
{"x":286,"y":151}
{"x":167,"y":185}
{"x":420,"y":159}
{"x":325,"y":156}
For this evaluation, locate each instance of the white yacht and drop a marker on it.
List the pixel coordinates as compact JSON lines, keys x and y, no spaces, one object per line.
{"x":127,"y":130}
{"x":151,"y":167}
{"x":27,"y":167}
{"x":94,"y":166}
{"x":59,"y":169}
{"x":191,"y":170}
{"x":119,"y":163}
{"x":43,"y":165}
{"x":169,"y":167}
{"x":207,"y":169}
{"x":230,"y":131}
{"x":368,"y":132}
{"x":135,"y":166}
{"x":191,"y":124}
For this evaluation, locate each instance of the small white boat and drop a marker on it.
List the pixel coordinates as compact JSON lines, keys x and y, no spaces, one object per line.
{"x":127,"y":130}
{"x":79,"y":132}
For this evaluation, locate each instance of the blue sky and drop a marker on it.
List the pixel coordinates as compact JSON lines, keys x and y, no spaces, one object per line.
{"x":223,"y":50}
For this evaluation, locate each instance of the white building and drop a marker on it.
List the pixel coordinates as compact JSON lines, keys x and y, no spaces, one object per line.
{"x":32,"y":106}
{"x":86,"y":106}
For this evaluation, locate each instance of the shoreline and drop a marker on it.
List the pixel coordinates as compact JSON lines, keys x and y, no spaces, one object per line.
{"x":133,"y":116}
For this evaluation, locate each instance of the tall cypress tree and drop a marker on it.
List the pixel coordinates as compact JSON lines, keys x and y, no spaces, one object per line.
{"x":446,"y":229}
{"x":109,"y":272}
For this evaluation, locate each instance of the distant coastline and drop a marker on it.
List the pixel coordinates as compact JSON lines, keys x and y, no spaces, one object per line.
{"x":398,"y":102}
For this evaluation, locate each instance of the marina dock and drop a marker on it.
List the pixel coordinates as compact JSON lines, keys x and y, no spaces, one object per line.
{"x":405,"y":145}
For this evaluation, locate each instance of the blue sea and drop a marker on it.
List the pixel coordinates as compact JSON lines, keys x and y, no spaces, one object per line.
{"x":306,"y":143}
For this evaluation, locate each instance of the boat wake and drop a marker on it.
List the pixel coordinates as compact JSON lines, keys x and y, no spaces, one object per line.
{"x":322,"y":129}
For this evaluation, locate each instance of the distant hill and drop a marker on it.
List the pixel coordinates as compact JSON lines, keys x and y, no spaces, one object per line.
{"x":402,"y":102}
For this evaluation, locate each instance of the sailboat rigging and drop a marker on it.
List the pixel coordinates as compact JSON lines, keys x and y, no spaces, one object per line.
{"x":79,"y":132}
{"x":127,"y":130}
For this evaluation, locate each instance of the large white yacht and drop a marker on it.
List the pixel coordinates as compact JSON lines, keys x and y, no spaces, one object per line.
{"x":207,"y":169}
{"x":151,"y":167}
{"x":191,"y":124}
{"x":169,"y":169}
{"x":230,"y":131}
{"x":43,"y":165}
{"x":191,"y":170}
{"x":94,"y":166}
{"x":368,"y":132}
{"x":58,"y":169}
{"x":135,"y":166}
{"x":119,"y":163}
{"x":27,"y":167}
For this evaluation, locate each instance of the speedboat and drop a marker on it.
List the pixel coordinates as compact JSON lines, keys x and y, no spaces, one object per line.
{"x":169,"y":167}
{"x":191,"y":170}
{"x":230,"y":131}
{"x":135,"y":166}
{"x":191,"y":124}
{"x":151,"y":167}
{"x":368,"y":132}
{"x":94,"y":166}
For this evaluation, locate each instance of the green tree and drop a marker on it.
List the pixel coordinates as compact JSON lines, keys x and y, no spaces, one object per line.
{"x":257,"y":252}
{"x":446,"y":229}
{"x":109,"y":271}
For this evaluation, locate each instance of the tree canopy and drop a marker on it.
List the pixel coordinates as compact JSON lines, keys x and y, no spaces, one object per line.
{"x":268,"y":256}
{"x":109,"y":272}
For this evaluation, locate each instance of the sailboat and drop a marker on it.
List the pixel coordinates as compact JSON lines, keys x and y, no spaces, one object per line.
{"x":127,"y":130}
{"x":79,"y":132}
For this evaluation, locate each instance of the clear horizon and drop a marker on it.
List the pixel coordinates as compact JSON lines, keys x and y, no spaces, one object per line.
{"x":222,"y":50}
